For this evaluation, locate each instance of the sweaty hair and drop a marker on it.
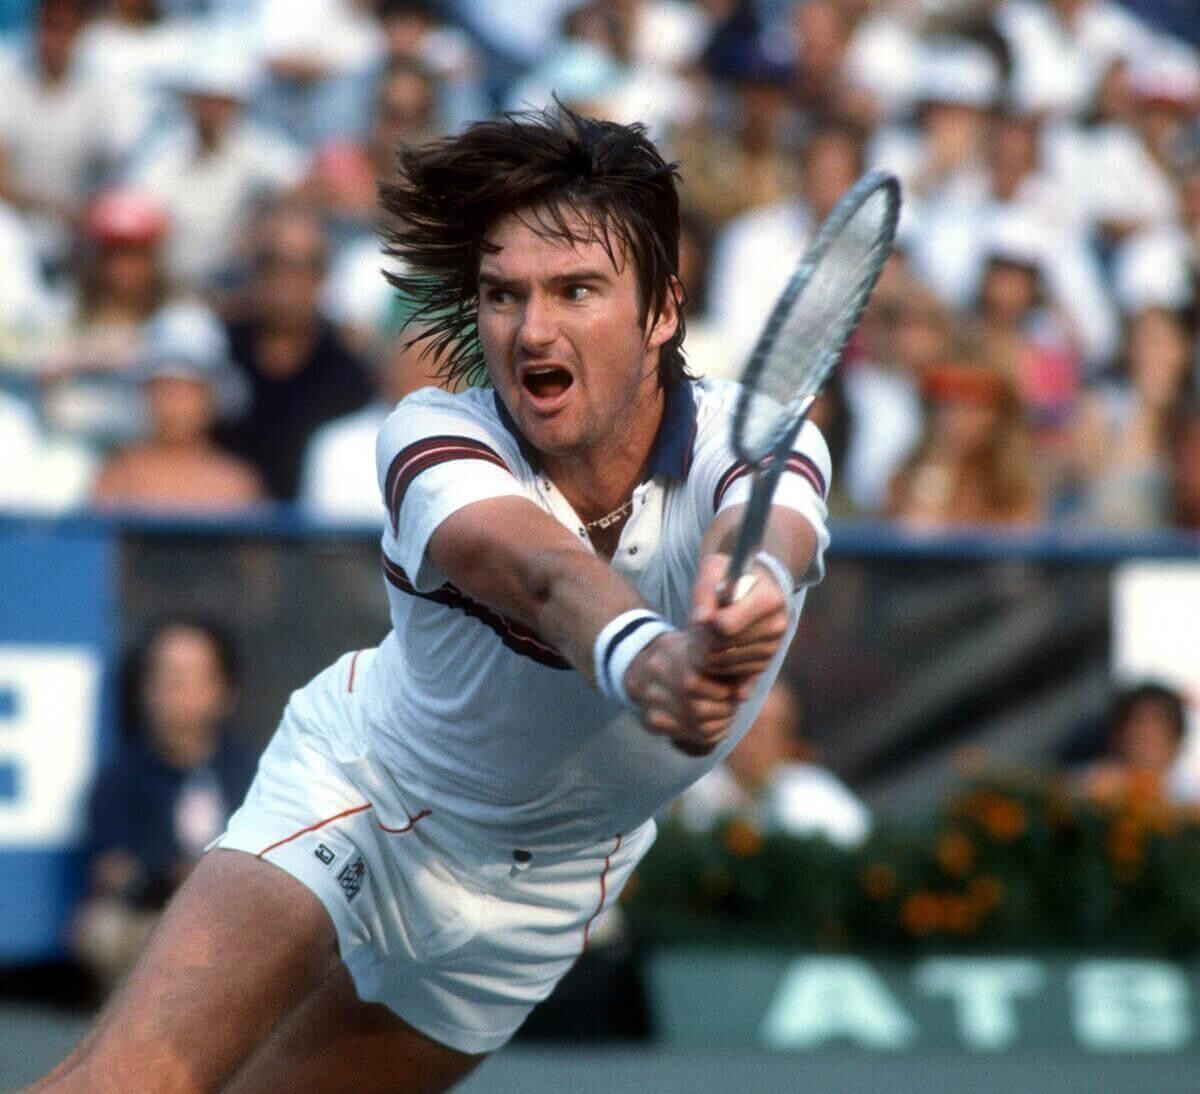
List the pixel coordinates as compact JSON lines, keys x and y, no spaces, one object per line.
{"x":569,"y":177}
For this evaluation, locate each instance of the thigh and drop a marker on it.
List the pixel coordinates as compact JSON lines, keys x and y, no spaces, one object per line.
{"x":333,"y":1041}
{"x":241,"y":943}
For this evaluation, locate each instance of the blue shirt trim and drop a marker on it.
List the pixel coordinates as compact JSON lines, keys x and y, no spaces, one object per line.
{"x":672,"y":455}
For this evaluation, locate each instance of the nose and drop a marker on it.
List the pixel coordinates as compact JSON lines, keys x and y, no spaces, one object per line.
{"x":538,"y":328}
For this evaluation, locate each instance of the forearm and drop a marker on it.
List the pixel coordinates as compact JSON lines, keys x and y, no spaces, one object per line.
{"x":525,"y":565}
{"x":788,"y":536}
{"x":576,"y":594}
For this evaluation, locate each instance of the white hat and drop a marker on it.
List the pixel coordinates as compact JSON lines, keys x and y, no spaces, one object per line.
{"x":1150,"y":270}
{"x":220,"y":66}
{"x":957,"y":71}
{"x":186,"y":340}
{"x":1016,"y":238}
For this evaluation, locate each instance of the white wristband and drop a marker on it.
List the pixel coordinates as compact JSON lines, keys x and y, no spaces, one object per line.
{"x":778,"y":571}
{"x":618,"y":643}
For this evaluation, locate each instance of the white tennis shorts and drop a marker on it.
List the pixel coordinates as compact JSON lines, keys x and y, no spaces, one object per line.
{"x":461,"y":940}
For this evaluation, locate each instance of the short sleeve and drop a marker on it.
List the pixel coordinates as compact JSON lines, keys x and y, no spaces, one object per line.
{"x":436,"y":454}
{"x":803,"y":486}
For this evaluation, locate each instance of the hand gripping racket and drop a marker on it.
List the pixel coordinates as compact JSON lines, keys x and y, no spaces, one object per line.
{"x":802,"y":340}
{"x":799,"y":345}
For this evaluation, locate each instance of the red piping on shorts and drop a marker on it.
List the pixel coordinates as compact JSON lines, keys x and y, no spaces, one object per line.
{"x":409,"y":826}
{"x":314,"y":827}
{"x":353,"y":664}
{"x":603,"y":893}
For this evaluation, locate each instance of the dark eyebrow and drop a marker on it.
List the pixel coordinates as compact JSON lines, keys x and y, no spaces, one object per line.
{"x":572,"y":277}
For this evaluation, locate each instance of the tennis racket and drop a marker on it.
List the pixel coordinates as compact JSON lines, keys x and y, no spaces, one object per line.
{"x":801,"y":342}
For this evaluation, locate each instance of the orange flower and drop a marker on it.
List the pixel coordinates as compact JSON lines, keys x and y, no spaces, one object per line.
{"x":1125,"y":847}
{"x":955,"y":853}
{"x":743,"y":839}
{"x":921,"y":912}
{"x":879,"y":880}
{"x":985,"y":892}
{"x":1004,"y":820}
{"x":1143,"y":791}
{"x":958,"y":916}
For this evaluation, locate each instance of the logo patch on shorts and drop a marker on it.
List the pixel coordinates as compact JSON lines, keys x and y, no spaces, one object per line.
{"x":325,"y":854}
{"x":351,"y":877}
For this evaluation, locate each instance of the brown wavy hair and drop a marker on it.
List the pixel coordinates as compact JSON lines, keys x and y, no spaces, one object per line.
{"x":572,"y":178}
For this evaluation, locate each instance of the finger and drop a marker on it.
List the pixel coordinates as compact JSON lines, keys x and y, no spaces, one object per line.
{"x":707,"y":588}
{"x":738,"y":659}
{"x":764,"y":601}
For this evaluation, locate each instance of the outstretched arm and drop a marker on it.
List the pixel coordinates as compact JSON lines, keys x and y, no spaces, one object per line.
{"x":514,"y":557}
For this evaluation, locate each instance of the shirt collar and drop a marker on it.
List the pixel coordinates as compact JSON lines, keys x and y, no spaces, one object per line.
{"x":672,"y":455}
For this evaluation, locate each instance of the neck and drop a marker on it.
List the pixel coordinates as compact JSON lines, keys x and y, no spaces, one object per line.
{"x":597,"y":480}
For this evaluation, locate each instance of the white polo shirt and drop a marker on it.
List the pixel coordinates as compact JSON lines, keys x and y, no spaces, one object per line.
{"x":477,"y":716}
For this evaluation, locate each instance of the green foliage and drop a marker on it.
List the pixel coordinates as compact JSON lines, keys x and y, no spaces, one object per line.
{"x":1006,"y":863}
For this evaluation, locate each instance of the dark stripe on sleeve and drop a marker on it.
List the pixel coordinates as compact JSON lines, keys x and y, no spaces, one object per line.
{"x":797,"y":462}
{"x":421,"y":455}
{"x":518,"y":638}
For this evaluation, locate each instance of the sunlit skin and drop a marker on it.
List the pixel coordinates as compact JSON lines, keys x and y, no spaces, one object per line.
{"x":574,"y":356}
{"x":181,"y":409}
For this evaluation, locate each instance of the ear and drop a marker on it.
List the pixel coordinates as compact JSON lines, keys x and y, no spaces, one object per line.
{"x":666,"y":322}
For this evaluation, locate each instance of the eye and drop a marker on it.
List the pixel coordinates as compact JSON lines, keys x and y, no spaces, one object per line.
{"x":577,"y":293}
{"x":498,"y":297}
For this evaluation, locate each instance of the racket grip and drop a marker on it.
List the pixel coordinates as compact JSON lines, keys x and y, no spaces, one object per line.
{"x":734,"y":589}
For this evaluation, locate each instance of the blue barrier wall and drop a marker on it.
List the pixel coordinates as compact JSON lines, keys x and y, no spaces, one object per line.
{"x":57,"y":619}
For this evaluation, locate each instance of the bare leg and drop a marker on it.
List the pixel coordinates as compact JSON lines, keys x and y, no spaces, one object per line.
{"x":335,"y":1042}
{"x":240,"y":945}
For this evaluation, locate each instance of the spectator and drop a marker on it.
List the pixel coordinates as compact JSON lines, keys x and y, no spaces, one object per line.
{"x":1123,"y":436}
{"x":344,"y":183}
{"x":187,"y":381}
{"x":212,"y":169}
{"x":337,"y":482}
{"x":768,"y":780}
{"x":906,"y":330}
{"x":121,"y":284}
{"x":56,"y":128}
{"x":1185,"y":467}
{"x":945,"y":157}
{"x":301,"y":373}
{"x":1018,"y":329}
{"x":306,"y":48}
{"x":1144,"y":737}
{"x":415,"y":35}
{"x":973,"y":464}
{"x":735,"y":157}
{"x":1061,"y":48}
{"x":166,"y":792}
{"x":132,"y":48}
{"x":754,"y":254}
{"x":41,"y":473}
{"x":595,"y":68}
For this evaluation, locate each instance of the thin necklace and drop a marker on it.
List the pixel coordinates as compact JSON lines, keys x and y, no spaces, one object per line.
{"x":609,"y":519}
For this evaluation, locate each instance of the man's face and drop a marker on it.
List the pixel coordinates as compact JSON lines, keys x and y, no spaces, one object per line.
{"x":565,"y":338}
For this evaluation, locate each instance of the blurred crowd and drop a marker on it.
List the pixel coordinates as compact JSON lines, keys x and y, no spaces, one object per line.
{"x":193,"y":316}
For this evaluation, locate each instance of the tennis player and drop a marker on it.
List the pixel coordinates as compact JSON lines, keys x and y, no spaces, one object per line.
{"x":438,"y":821}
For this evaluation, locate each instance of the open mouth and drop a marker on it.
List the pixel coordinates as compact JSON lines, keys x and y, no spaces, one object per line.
{"x":547,"y":382}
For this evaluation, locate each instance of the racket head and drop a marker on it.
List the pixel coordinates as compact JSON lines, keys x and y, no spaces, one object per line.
{"x":813,"y":318}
